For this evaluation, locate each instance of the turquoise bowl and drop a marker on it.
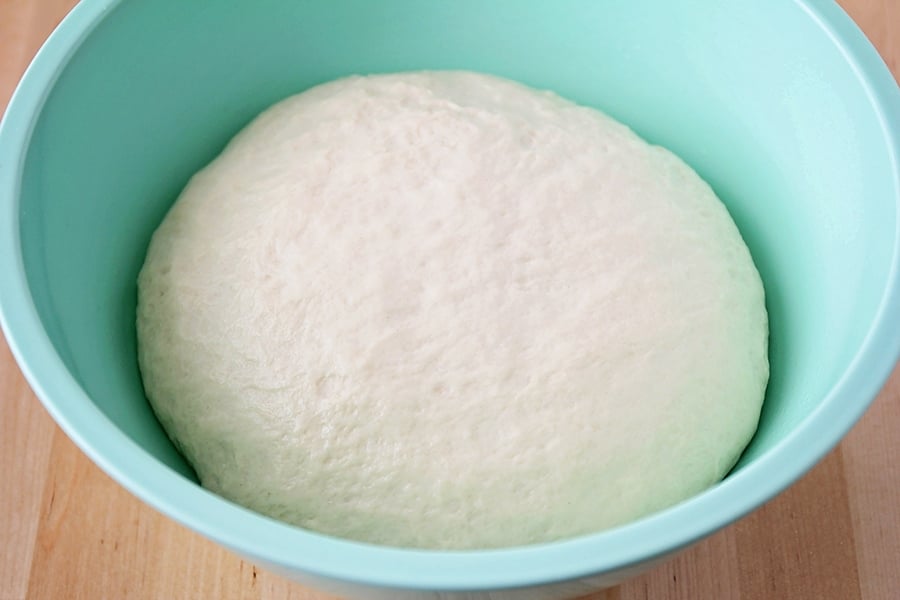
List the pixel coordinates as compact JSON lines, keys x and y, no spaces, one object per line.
{"x":782,"y":105}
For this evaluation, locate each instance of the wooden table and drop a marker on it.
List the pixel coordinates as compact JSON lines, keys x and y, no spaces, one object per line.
{"x":68,"y":531}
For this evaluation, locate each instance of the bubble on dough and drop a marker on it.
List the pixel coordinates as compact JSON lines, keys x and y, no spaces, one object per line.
{"x":445,"y":310}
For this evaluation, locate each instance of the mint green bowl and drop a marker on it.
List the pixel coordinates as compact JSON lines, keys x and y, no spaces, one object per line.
{"x":783,"y":106}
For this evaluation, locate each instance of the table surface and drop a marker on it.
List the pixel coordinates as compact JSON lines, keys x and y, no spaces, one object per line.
{"x":68,"y":531}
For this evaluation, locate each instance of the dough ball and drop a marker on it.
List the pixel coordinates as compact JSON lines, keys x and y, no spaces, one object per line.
{"x":444,"y":310}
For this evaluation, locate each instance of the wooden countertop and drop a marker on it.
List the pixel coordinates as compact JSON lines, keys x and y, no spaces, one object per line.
{"x":68,"y":531}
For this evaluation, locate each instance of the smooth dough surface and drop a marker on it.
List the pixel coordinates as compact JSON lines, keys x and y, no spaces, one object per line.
{"x":446,"y":310}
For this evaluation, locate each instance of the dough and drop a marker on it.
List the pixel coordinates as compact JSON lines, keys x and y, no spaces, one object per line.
{"x":445,"y":310}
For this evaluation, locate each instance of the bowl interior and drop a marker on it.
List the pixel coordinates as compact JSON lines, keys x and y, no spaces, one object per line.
{"x":764,"y":107}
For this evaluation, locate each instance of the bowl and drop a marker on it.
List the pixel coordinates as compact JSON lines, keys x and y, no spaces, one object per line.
{"x":783,"y":106}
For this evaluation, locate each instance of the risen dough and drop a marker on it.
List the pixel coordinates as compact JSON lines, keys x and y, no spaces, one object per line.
{"x":445,"y":310}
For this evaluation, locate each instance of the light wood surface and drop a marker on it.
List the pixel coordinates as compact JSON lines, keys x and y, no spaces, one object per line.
{"x":68,"y":531}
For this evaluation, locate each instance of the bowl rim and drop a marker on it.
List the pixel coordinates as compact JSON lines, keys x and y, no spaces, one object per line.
{"x":291,"y":549}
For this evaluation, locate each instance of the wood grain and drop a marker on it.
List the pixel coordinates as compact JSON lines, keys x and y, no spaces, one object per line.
{"x":68,"y":531}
